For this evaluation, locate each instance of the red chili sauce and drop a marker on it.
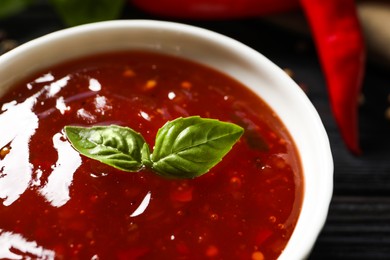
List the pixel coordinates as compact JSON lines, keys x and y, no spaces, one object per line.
{"x":58,"y":204}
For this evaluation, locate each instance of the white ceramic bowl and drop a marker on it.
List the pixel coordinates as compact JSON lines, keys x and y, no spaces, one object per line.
{"x":227,"y":55}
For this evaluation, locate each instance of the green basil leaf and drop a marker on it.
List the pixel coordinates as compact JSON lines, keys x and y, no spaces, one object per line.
{"x":75,"y":12}
{"x":189,"y":147}
{"x":120,"y":147}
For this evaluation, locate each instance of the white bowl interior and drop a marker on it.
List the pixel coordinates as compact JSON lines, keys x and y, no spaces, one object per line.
{"x":225,"y":54}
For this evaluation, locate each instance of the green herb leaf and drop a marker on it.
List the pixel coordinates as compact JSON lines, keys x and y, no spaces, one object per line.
{"x":184,"y":148}
{"x":189,"y":147}
{"x":120,"y":147}
{"x":75,"y":12}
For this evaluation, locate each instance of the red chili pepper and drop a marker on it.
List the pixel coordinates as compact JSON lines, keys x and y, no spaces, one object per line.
{"x":340,"y":45}
{"x":337,"y":36}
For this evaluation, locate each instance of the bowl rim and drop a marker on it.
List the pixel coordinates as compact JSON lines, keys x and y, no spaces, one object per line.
{"x":310,"y":227}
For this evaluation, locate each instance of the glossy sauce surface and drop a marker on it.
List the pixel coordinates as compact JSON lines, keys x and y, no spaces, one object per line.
{"x":58,"y":204}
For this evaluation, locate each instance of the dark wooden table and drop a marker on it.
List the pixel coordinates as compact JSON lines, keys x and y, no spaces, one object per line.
{"x":358,"y":225}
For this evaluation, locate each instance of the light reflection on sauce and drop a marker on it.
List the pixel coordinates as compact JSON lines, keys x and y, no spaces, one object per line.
{"x":45,"y":78}
{"x":86,"y":116}
{"x":94,"y":85}
{"x":142,"y":207}
{"x":56,"y":190}
{"x":61,"y":105}
{"x":17,"y":124}
{"x":11,"y":243}
{"x":56,"y":86}
{"x":102,"y":105}
{"x":144,"y":115}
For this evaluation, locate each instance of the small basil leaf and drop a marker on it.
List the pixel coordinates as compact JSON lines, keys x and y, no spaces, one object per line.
{"x":120,"y":147}
{"x":189,"y":147}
